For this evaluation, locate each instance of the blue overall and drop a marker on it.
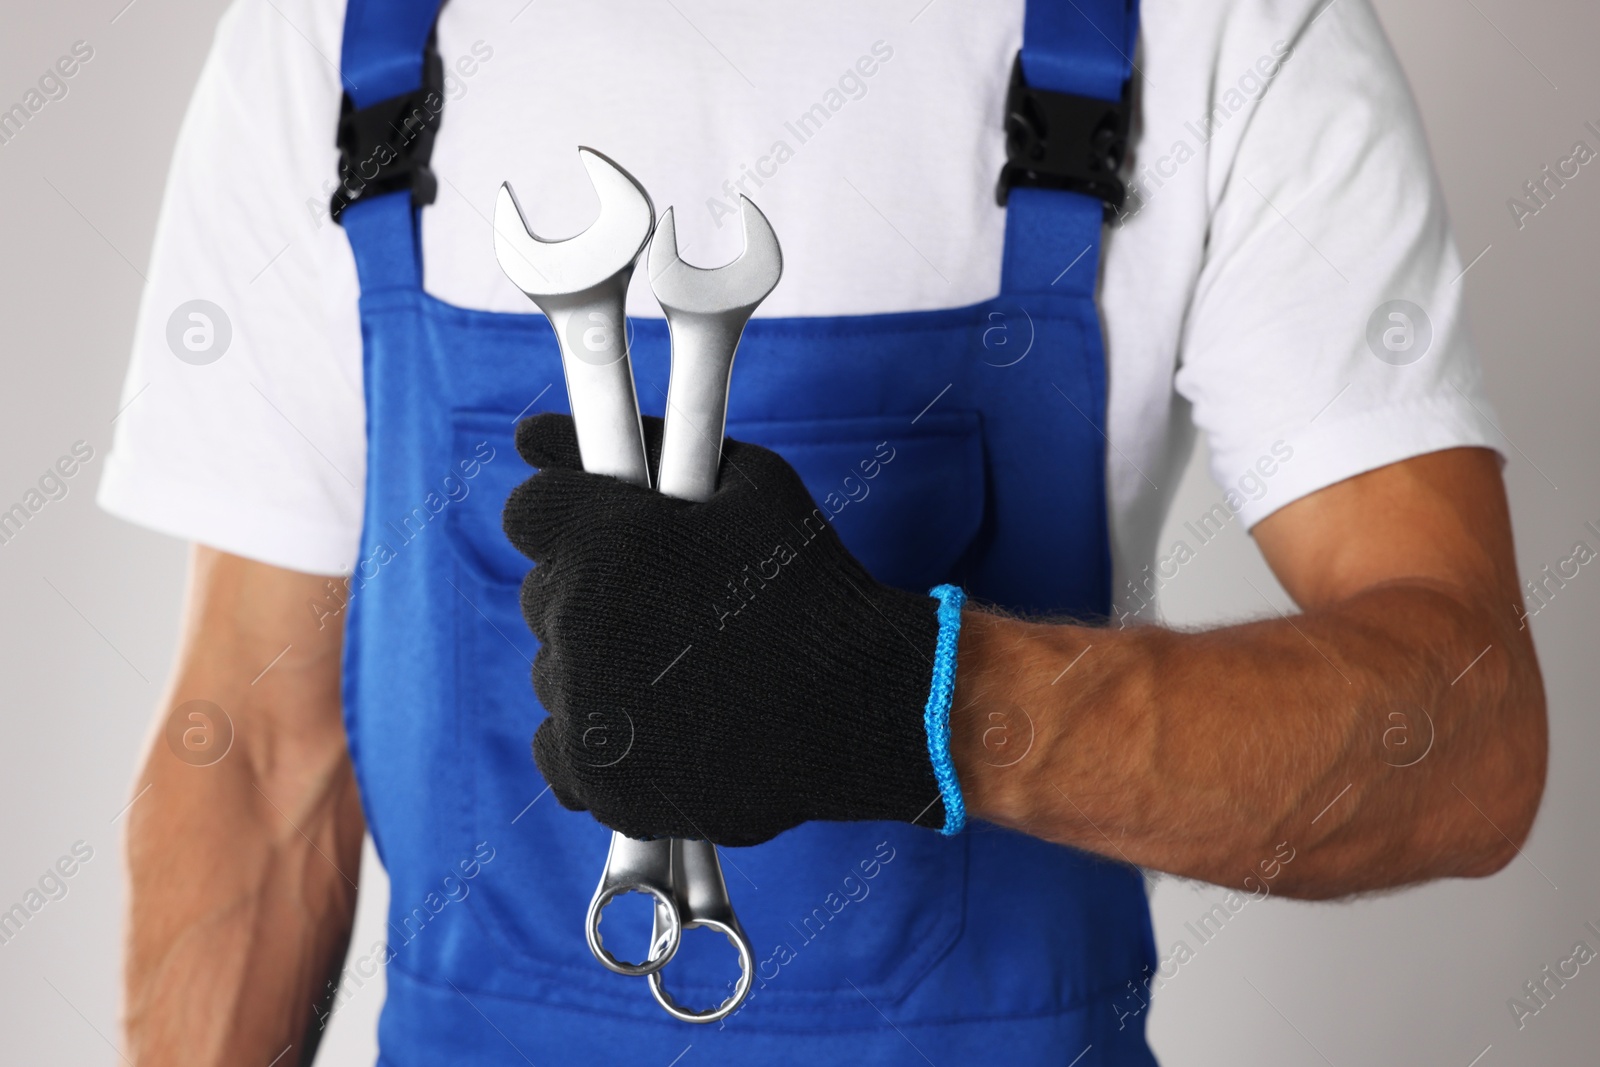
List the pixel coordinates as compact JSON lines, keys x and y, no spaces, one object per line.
{"x":875,"y":942}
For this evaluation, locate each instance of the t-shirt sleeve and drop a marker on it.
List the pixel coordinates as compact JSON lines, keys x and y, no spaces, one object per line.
{"x":241,"y":423}
{"x":1326,"y":335}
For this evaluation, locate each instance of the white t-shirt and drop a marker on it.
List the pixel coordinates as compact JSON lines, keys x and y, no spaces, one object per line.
{"x":1282,"y":199}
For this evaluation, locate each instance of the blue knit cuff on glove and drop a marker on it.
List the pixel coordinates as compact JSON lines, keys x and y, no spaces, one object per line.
{"x":936,"y":717}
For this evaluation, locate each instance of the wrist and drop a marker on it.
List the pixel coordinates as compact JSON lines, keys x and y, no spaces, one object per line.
{"x":1018,"y":687}
{"x":1057,"y":728}
{"x":977,"y":701}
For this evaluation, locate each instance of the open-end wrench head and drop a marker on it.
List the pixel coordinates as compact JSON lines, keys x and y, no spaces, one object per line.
{"x":542,"y":268}
{"x":742,"y":284}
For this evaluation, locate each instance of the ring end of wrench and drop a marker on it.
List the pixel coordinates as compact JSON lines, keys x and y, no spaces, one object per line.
{"x":665,"y":939}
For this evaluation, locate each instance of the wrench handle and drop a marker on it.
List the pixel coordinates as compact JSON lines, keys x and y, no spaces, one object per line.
{"x":703,"y":347}
{"x":592,"y":331}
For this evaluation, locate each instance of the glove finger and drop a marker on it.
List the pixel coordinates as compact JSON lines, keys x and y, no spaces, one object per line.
{"x":749,"y":468}
{"x":753,"y":472}
{"x":557,"y":505}
{"x":548,"y":755}
{"x":538,"y":610}
{"x":548,"y":684}
{"x":549,"y":440}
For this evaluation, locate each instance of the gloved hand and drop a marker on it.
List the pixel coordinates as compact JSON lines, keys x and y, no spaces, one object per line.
{"x":722,"y":670}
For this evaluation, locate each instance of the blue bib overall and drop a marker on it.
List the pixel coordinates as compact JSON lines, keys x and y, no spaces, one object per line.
{"x":960,"y":445}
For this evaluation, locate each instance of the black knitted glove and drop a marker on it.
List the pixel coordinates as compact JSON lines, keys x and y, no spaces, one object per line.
{"x":722,"y":670}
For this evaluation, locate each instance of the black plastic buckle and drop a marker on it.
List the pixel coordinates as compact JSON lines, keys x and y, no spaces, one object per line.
{"x":385,"y":147}
{"x":1063,"y":141}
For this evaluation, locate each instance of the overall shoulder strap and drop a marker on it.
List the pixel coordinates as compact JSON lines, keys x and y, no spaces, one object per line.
{"x":383,"y":42}
{"x":1066,"y":127}
{"x":1071,"y":48}
{"x":1083,"y":47}
{"x":392,"y":105}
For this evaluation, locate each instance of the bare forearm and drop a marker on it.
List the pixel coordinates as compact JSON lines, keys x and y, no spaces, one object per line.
{"x":235,"y":917}
{"x":242,"y":863}
{"x":1200,"y":753}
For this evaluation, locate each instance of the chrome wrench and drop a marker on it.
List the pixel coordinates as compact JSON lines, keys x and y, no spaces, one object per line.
{"x":706,"y":314}
{"x":581,"y":285}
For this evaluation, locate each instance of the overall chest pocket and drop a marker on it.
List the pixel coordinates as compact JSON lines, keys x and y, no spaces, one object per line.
{"x":876,"y":903}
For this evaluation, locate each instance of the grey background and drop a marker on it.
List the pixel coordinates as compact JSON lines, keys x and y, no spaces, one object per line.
{"x":89,"y":605}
